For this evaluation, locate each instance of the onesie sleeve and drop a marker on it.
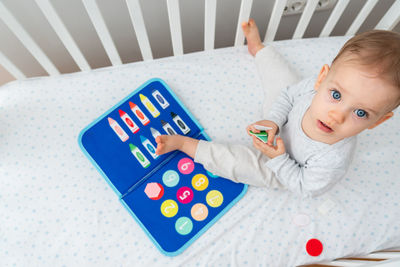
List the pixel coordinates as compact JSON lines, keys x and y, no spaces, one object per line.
{"x":317,"y":175}
{"x":280,"y":108}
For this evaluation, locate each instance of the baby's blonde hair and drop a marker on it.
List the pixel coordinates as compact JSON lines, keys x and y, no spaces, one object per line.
{"x":377,"y":48}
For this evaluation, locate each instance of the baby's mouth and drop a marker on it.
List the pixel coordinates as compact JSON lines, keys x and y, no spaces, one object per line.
{"x":324,"y":127}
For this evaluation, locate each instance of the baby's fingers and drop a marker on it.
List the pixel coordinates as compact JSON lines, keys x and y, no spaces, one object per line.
{"x":280,"y":145}
{"x":271,"y":137}
{"x":251,"y":128}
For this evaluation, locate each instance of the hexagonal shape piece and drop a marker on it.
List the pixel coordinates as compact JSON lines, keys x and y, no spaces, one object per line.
{"x":154,"y":191}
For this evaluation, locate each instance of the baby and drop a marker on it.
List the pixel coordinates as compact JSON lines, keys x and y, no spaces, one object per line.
{"x":317,"y":118}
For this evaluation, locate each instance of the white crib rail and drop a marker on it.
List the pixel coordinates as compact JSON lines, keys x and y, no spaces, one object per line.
{"x":334,"y":17}
{"x":175,"y":26}
{"x":102,"y":31}
{"x":27,"y":41}
{"x":305,"y":19}
{"x":367,"y":8}
{"x":388,"y":21}
{"x":62,"y":32}
{"x":244,"y":15}
{"x":273,"y":24}
{"x":140,"y":29}
{"x":391,"y":18}
{"x":209,"y":24}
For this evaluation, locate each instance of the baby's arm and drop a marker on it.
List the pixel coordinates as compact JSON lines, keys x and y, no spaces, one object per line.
{"x":168,"y":143}
{"x":282,"y":106}
{"x":238,"y":163}
{"x":317,"y":175}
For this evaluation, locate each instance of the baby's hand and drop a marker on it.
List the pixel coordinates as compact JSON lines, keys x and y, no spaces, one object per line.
{"x":271,"y":133}
{"x":270,"y":151}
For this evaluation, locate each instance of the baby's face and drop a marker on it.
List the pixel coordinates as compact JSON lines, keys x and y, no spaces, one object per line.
{"x":349,"y":99}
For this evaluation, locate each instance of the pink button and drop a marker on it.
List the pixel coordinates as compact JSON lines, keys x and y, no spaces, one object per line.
{"x":184,"y":195}
{"x":154,"y":191}
{"x":186,"y":165}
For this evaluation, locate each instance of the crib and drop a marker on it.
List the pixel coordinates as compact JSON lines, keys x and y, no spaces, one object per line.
{"x":56,"y":210}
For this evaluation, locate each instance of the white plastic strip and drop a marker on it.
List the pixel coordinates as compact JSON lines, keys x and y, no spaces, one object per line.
{"x":244,"y":15}
{"x":10,"y":67}
{"x":385,"y":263}
{"x":305,"y":19}
{"x":344,"y":263}
{"x":138,"y":25}
{"x":175,"y":26}
{"x":27,"y":40}
{"x":62,"y":32}
{"x":209,"y":24}
{"x":102,"y":31}
{"x":361,"y":17}
{"x":391,"y":18}
{"x":382,"y":255}
{"x":334,"y":17}
{"x":273,"y":24}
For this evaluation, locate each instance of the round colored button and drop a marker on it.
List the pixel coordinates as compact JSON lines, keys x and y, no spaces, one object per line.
{"x":214,"y":198}
{"x":170,"y":178}
{"x":212,"y":175}
{"x":169,"y":208}
{"x":314,"y":247}
{"x":199,"y":212}
{"x":184,"y":195}
{"x":183,"y":225}
{"x":200,"y":182}
{"x":186,"y":165}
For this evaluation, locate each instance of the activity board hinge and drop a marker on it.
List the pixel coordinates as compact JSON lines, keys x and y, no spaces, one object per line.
{"x":141,"y":181}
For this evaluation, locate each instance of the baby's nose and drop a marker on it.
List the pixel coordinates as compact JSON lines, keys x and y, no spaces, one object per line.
{"x":336,"y":116}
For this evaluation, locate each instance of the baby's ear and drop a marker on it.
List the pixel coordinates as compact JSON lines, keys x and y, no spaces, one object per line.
{"x":382,"y":119}
{"x":321,"y":76}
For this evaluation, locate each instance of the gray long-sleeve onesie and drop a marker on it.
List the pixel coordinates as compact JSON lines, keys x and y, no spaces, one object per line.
{"x":308,"y":167}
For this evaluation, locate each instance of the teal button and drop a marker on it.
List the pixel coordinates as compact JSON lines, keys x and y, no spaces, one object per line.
{"x":170,"y":178}
{"x":183,"y":225}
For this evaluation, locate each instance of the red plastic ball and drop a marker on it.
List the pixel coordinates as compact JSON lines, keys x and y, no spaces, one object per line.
{"x":314,"y":247}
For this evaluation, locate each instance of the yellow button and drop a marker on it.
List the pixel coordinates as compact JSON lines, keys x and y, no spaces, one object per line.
{"x":200,"y":182}
{"x":214,"y":198}
{"x":169,"y":208}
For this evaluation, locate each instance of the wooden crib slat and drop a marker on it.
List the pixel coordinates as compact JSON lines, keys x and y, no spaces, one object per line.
{"x":391,"y":18}
{"x":10,"y":67}
{"x":27,"y":40}
{"x":305,"y":19}
{"x":62,"y":32}
{"x":209,"y":24}
{"x":102,"y":31}
{"x":274,"y":20}
{"x":244,"y":15}
{"x":175,"y":26}
{"x":334,"y":17}
{"x":138,"y":25}
{"x":361,"y":17}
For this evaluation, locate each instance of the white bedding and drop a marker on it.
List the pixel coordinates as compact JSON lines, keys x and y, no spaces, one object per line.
{"x":56,"y":209}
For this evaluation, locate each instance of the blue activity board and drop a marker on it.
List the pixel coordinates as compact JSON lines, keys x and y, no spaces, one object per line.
{"x":172,"y":198}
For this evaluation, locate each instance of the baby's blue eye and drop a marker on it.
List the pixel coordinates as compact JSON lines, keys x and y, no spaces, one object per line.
{"x":335,"y":94}
{"x":361,"y":113}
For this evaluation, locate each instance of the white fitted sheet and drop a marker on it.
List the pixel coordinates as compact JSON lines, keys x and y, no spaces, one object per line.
{"x":56,"y":209}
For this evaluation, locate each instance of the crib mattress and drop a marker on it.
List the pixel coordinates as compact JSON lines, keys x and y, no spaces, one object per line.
{"x":56,"y":209}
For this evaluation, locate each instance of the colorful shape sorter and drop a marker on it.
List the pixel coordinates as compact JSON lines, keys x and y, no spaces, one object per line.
{"x":172,"y":198}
